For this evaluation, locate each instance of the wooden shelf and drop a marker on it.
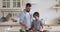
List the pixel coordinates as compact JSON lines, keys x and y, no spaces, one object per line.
{"x":54,"y":30}
{"x":56,"y":7}
{"x":52,"y":25}
{"x":10,"y":25}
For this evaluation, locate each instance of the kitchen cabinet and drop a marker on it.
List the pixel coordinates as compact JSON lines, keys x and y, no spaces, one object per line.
{"x":10,"y":27}
{"x":15,"y":27}
{"x":8,"y":4}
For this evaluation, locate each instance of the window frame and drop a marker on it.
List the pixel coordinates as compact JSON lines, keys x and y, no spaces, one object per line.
{"x":6,"y":4}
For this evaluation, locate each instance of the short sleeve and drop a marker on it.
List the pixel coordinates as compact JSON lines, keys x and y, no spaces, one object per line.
{"x":21,"y":16}
{"x":32,"y":24}
{"x":41,"y":23}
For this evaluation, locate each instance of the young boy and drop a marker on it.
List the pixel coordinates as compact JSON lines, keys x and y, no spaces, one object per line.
{"x":36,"y":23}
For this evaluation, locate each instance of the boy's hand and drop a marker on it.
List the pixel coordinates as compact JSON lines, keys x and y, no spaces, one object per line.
{"x":42,"y":26}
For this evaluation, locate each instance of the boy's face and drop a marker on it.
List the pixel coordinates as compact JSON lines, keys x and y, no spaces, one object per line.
{"x":36,"y":17}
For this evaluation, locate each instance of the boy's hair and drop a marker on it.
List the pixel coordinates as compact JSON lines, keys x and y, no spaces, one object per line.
{"x":28,"y":5}
{"x":36,"y":14}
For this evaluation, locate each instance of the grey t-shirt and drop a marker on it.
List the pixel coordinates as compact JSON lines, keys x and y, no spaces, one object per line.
{"x":37,"y":24}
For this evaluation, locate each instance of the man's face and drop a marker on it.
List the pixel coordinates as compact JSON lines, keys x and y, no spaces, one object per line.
{"x":28,"y":9}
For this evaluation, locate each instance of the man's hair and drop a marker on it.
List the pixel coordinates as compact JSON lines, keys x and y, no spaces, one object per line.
{"x":28,"y":5}
{"x":36,"y":14}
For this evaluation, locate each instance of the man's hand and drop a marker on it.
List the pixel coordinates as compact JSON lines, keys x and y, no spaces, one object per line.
{"x":22,"y":24}
{"x":25,"y":26}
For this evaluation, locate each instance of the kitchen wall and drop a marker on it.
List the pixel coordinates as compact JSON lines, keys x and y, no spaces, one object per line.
{"x":44,"y":7}
{"x":46,"y":10}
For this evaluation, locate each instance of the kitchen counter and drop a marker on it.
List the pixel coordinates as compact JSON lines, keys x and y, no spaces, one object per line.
{"x":10,"y":24}
{"x":17,"y":24}
{"x":52,"y":27}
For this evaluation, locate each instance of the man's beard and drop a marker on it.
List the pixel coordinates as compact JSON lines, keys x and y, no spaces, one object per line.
{"x":28,"y":10}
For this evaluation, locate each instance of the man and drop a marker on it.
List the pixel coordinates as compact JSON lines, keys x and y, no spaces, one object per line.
{"x":26,"y":17}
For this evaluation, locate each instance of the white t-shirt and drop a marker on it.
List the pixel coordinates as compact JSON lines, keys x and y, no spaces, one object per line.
{"x":28,"y":24}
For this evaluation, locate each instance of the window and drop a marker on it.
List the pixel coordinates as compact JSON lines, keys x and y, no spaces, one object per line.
{"x":6,"y":4}
{"x":16,"y":3}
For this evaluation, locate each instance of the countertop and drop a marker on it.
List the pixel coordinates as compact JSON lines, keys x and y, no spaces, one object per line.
{"x":10,"y":24}
{"x":17,"y":24}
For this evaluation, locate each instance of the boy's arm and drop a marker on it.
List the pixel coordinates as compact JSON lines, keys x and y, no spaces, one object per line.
{"x":32,"y":25}
{"x":41,"y":23}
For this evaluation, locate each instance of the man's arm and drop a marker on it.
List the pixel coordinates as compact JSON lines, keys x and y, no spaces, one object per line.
{"x":21,"y":23}
{"x":31,"y":16}
{"x":21,"y":16}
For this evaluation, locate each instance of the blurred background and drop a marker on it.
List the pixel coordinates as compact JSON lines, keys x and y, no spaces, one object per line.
{"x":49,"y":11}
